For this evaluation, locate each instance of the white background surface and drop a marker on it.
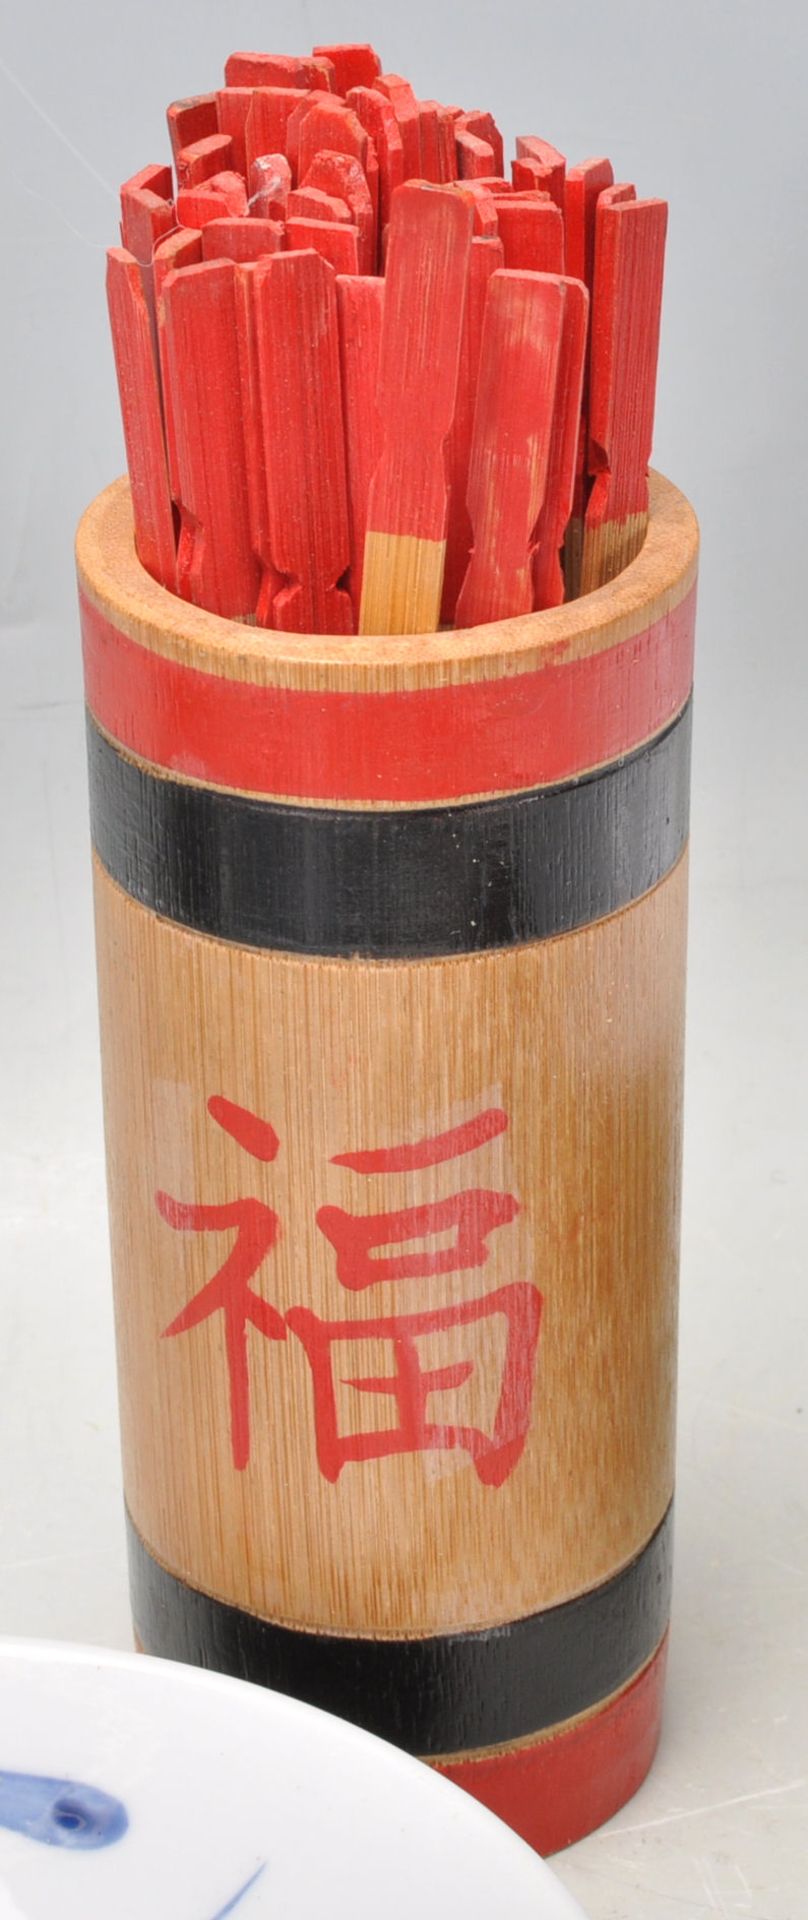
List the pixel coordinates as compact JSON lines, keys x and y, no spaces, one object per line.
{"x":704,"y":104}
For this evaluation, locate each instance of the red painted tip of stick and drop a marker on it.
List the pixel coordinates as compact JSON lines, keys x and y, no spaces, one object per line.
{"x":276,"y":70}
{"x":191,"y":120}
{"x":356,"y":65}
{"x":139,"y":390}
{"x":376,"y":114}
{"x":334,"y":128}
{"x":582,"y":188}
{"x":255,"y":457}
{"x":197,"y":162}
{"x":486,"y":257}
{"x":483,"y":126}
{"x":182,"y":248}
{"x":510,"y":449}
{"x":405,"y":107}
{"x":627,"y":298}
{"x":548,"y":575}
{"x":342,"y":177}
{"x":484,"y":212}
{"x":436,"y":125}
{"x":223,"y":196}
{"x":551,"y":164}
{"x":267,"y":125}
{"x":234,"y":108}
{"x":475,"y":159}
{"x":335,"y":242}
{"x":312,"y":203}
{"x":426,"y":275}
{"x":270,"y":186}
{"x":241,"y":239}
{"x":360,"y":305}
{"x":216,"y":566}
{"x":531,"y":228}
{"x":297,"y":339}
{"x":147,"y":211}
{"x":296,"y":123}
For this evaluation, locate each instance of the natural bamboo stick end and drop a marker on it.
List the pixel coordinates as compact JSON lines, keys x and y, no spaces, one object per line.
{"x":607,"y":549}
{"x":402,"y":584}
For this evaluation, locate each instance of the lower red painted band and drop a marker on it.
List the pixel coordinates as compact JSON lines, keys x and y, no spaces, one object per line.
{"x":523,"y":730}
{"x":569,"y":1783}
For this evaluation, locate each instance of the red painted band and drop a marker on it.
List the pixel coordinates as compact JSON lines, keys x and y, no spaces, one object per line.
{"x":523,"y":730}
{"x":569,"y":1783}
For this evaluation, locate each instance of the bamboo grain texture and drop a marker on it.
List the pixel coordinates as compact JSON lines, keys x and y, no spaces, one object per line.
{"x":580,"y":1041}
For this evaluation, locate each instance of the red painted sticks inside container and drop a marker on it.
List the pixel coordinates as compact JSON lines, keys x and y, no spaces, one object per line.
{"x":510,"y":449}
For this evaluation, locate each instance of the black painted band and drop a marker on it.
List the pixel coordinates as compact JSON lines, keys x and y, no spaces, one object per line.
{"x":404,"y":884}
{"x":441,"y":1695}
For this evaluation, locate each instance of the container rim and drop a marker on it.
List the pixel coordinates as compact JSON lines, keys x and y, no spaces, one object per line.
{"x":113,"y":579}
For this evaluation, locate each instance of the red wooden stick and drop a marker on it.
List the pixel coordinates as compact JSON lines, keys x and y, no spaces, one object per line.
{"x":340,"y":175}
{"x":234,"y":107}
{"x":336,"y":243}
{"x":486,"y":224}
{"x":147,"y":215}
{"x":354,"y":66}
{"x":548,"y":576}
{"x":268,"y":117}
{"x":313,"y":203}
{"x":511,"y":445}
{"x":254,"y":454}
{"x":139,"y":391}
{"x":241,"y":238}
{"x":191,"y":120}
{"x":360,"y":304}
{"x":532,"y":233}
{"x":486,"y":257}
{"x":583,"y":185}
{"x":270,"y":185}
{"x":475,"y":158}
{"x":427,"y":271}
{"x":146,"y":211}
{"x":202,"y":158}
{"x":447,"y":150}
{"x":405,"y":107}
{"x":629,"y":262}
{"x":484,"y":127}
{"x":277,"y":70}
{"x":216,"y":566}
{"x":295,"y":124}
{"x":224,"y":194}
{"x":182,"y":248}
{"x":298,"y":356}
{"x":552,"y":163}
{"x":334,"y":128}
{"x":375,"y":113}
{"x":437,"y":139}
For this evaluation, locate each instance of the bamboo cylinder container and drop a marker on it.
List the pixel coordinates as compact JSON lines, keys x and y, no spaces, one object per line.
{"x":391,"y":952}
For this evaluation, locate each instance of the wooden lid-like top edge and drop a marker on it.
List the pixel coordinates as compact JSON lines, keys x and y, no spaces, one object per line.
{"x":115,"y":581}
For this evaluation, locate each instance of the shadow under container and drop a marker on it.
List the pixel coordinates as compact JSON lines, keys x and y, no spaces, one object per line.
{"x":391,"y":952}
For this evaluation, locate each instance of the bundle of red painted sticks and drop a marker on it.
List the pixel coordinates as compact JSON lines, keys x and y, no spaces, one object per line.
{"x":367,"y":382}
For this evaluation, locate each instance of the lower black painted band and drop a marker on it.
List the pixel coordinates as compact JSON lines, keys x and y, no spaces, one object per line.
{"x":411,"y":883}
{"x":441,"y":1695}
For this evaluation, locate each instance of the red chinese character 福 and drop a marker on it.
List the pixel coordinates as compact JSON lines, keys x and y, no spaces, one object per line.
{"x":229,"y":1291}
{"x":494,"y":1456}
{"x":472,"y":1215}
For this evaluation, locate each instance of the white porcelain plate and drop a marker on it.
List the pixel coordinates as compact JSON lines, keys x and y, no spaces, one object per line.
{"x":133,"y":1789}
